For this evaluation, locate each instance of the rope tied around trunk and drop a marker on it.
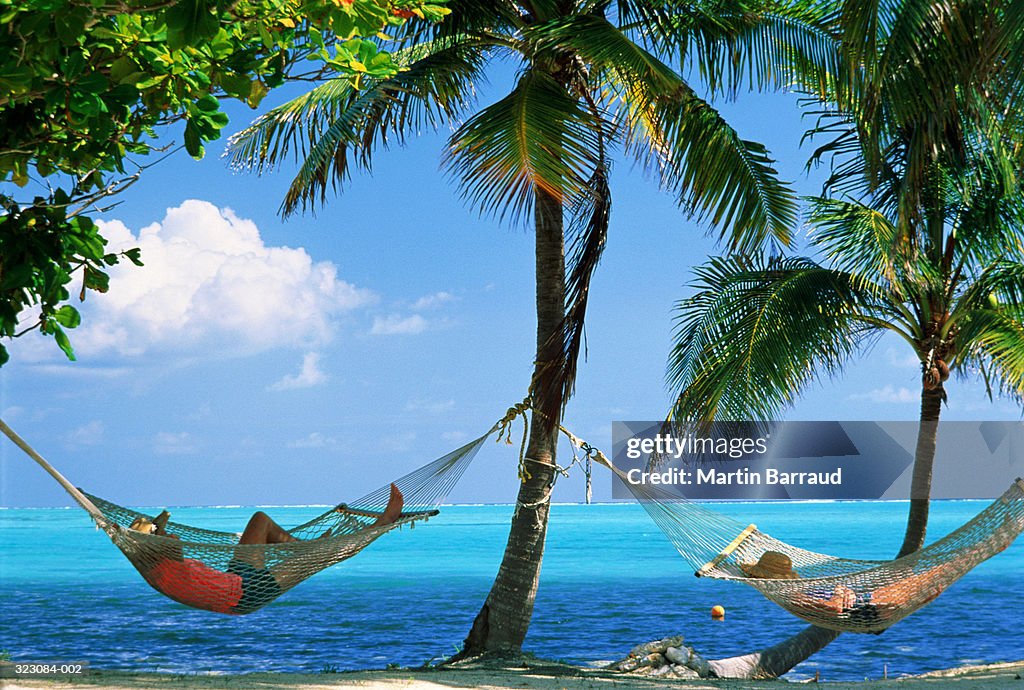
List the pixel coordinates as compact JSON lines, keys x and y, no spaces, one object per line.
{"x":590,"y":453}
{"x":504,"y":426}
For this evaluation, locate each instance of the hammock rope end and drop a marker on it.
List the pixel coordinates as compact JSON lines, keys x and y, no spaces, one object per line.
{"x":727,"y":551}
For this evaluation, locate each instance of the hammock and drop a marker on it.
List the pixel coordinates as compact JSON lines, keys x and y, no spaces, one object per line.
{"x":847,"y":595}
{"x":210,"y":570}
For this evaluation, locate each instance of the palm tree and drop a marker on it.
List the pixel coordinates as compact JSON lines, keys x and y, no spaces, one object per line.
{"x":937,"y":96}
{"x":924,"y":120}
{"x":760,"y":329}
{"x":589,"y":82}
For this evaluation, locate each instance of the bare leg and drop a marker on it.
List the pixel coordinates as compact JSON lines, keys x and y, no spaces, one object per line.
{"x":843,"y":599}
{"x":393,"y":510}
{"x":263,"y":530}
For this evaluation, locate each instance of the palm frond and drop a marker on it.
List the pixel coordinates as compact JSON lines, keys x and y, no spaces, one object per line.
{"x":601,"y":45}
{"x":856,"y":238}
{"x":589,"y":236}
{"x":466,"y":18}
{"x":716,"y":175}
{"x":763,"y":44}
{"x":538,"y":137}
{"x":986,"y":214}
{"x":992,"y":340}
{"x":335,"y":126}
{"x":652,"y":21}
{"x":931,"y":82}
{"x":998,"y":285}
{"x":757,"y":332}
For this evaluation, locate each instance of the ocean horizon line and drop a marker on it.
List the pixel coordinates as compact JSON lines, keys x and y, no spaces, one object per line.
{"x":506,"y":504}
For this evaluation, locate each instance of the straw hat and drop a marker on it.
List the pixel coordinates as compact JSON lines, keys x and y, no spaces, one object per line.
{"x":772,"y":565}
{"x":142,"y":524}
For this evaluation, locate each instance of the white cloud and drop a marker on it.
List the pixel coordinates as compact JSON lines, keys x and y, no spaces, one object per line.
{"x":34,"y":414}
{"x":398,"y":442}
{"x":77,"y":370}
{"x":203,"y":411}
{"x":430,"y":406}
{"x":90,"y":434}
{"x":309,"y":375}
{"x":887,"y":394}
{"x":210,"y":278}
{"x":902,"y":359}
{"x":173,"y":443}
{"x":314,"y":440}
{"x":395,"y":324}
{"x":12,"y":412}
{"x":454,"y":436}
{"x":432,"y":301}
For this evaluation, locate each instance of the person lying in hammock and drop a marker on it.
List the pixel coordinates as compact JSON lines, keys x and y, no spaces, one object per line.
{"x":869,"y":607}
{"x":247,"y":583}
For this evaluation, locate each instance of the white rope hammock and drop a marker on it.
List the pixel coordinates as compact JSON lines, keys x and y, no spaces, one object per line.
{"x":210,"y":570}
{"x":842,"y":594}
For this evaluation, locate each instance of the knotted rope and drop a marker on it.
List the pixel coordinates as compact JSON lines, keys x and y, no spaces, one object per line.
{"x":504,"y":426}
{"x":590,"y":453}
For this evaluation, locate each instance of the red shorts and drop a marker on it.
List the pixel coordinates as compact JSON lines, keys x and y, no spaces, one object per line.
{"x":192,"y":583}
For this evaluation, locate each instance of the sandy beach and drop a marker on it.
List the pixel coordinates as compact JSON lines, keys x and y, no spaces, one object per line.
{"x":535,"y":675}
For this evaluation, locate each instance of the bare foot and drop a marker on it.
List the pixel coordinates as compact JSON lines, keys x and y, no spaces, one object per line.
{"x":394,"y":508}
{"x":843,"y":599}
{"x":160,"y":521}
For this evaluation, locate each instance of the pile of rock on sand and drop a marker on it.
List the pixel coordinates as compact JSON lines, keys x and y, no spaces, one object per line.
{"x":670,"y":659}
{"x":666,"y":663}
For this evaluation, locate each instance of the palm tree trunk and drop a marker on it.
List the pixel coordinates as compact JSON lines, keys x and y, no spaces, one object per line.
{"x":776,"y":660}
{"x":501,"y":625}
{"x":924,"y":461}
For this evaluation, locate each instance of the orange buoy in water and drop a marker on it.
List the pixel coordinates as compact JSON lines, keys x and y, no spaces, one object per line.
{"x":718,"y":612}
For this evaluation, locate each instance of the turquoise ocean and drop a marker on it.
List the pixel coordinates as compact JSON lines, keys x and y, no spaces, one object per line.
{"x":610,"y":580}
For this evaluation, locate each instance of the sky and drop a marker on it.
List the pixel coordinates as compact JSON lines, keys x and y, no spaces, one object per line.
{"x":255,"y":361}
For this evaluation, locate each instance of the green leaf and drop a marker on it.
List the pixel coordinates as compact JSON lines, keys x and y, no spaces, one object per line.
{"x":16,"y":276}
{"x":134,"y":255}
{"x":96,"y":280}
{"x":19,"y":171}
{"x":93,"y":83}
{"x":15,"y":79}
{"x":63,"y":342}
{"x":193,"y":142}
{"x":259,"y":90}
{"x":188,"y":22}
{"x":121,"y":68}
{"x":236,"y":85}
{"x":71,"y":26}
{"x":73,"y":65}
{"x":68,"y":316}
{"x":218,"y":119}
{"x":144,"y":84}
{"x":4,"y":356}
{"x":208,"y":104}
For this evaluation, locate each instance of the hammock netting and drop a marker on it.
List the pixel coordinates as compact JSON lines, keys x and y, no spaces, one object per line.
{"x":842,"y":594}
{"x":210,"y":570}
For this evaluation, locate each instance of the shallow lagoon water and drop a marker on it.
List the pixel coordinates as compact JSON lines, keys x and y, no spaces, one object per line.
{"x":610,"y":580}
